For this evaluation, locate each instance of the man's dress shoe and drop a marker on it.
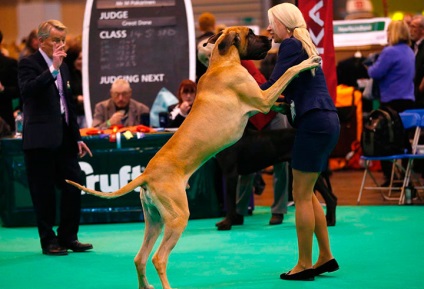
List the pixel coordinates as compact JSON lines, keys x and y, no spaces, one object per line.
{"x":276,"y":219}
{"x":329,"y":266}
{"x":77,"y":246}
{"x":55,"y":250}
{"x":229,"y":221}
{"x":305,"y":275}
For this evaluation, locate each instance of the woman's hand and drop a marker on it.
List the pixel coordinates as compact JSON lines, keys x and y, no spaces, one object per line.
{"x":185,"y":107}
{"x":281,"y":107}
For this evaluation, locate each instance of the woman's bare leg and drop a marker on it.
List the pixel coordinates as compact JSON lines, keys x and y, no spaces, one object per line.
{"x":321,"y":233}
{"x":303,"y":186}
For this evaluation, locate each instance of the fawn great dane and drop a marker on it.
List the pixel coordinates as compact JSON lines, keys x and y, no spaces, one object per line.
{"x":227,"y":96}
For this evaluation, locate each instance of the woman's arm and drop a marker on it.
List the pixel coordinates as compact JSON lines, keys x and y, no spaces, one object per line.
{"x":289,"y":54}
{"x":381,"y":67}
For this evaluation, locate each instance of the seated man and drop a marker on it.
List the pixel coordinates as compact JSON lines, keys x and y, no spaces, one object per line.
{"x":120,"y":109}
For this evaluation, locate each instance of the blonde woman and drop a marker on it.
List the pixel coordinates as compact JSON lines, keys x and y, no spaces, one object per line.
{"x":394,"y":72}
{"x":317,"y":131}
{"x":395,"y":69}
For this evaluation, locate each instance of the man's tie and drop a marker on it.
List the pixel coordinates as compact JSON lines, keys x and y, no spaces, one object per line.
{"x":63,"y":106}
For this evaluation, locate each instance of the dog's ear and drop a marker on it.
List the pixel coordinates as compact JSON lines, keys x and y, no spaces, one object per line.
{"x":213,"y":39}
{"x":229,"y":39}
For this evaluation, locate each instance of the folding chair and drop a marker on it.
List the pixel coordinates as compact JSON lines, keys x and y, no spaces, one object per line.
{"x":416,"y":146}
{"x":417,"y":153}
{"x":409,"y":120}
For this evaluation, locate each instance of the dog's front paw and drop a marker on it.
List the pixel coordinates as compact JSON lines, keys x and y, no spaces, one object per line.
{"x":316,"y":59}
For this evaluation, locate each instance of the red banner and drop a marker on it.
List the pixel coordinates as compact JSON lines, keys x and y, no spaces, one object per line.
{"x":319,"y":19}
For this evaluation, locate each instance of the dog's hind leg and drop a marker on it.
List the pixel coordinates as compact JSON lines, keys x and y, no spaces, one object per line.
{"x":152,"y":230}
{"x":175,"y":223}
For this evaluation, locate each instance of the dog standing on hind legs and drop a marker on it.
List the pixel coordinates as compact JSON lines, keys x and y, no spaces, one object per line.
{"x":227,"y":96}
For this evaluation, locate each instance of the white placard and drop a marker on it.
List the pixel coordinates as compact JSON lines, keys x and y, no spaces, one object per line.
{"x":360,"y":32}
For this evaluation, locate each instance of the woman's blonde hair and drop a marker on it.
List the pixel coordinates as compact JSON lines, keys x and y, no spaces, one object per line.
{"x":291,"y":17}
{"x":398,"y":32}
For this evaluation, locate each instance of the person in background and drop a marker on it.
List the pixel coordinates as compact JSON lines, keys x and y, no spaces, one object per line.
{"x":239,"y":188}
{"x":267,"y":64}
{"x":394,"y":70}
{"x":51,"y":141}
{"x":31,"y":44}
{"x":186,"y":95}
{"x":74,"y":62}
{"x":315,"y":119}
{"x":3,"y":50}
{"x":9,"y":89}
{"x":417,"y":36}
{"x":120,"y":109}
{"x":206,"y":25}
{"x":407,"y":18}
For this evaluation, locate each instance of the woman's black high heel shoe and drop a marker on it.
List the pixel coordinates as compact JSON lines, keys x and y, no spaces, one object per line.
{"x":305,"y":275}
{"x":329,"y":266}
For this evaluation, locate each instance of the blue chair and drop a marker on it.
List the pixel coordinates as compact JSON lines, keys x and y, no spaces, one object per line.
{"x":415,"y":143}
{"x":409,"y":120}
{"x":417,"y":153}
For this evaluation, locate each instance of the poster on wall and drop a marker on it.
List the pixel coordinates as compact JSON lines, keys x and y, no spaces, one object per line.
{"x":151,"y":43}
{"x":360,"y":32}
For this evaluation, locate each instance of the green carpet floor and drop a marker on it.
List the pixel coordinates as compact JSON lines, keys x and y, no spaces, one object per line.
{"x":376,"y":247}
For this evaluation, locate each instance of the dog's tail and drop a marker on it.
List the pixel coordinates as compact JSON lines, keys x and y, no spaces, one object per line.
{"x":122,"y":191}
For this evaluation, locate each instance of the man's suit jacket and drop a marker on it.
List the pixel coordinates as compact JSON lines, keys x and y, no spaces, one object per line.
{"x":9,"y":79}
{"x":105,"y":109}
{"x":43,"y":124}
{"x":419,"y":73}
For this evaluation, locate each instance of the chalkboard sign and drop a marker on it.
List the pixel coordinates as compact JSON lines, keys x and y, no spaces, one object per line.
{"x":151,"y":43}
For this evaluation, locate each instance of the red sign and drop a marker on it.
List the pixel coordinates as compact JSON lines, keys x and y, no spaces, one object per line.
{"x":318,"y":15}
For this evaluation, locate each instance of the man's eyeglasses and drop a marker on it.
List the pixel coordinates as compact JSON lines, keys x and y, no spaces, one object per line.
{"x":124,"y":94}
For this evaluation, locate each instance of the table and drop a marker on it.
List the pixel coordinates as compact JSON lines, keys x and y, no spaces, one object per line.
{"x":113,"y":165}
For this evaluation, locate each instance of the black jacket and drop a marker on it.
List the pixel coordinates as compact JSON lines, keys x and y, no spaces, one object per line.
{"x":419,"y":74}
{"x":43,"y":126}
{"x":9,"y":79}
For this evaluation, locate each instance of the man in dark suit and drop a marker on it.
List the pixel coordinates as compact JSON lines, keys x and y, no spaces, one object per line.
{"x":417,"y":36}
{"x":51,"y":141}
{"x":8,"y":87}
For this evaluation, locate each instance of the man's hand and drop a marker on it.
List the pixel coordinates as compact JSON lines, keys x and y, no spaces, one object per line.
{"x":83,"y":149}
{"x":116,"y":118}
{"x":58,"y":54}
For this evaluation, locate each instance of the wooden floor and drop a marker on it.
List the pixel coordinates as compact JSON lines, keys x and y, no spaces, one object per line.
{"x":345,"y":183}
